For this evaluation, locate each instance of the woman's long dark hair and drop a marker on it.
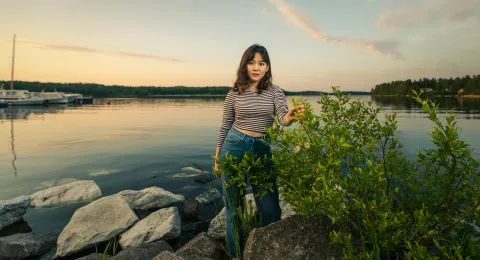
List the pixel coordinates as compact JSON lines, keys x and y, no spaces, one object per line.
{"x":241,"y":84}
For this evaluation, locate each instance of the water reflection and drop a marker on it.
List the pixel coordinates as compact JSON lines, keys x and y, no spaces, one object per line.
{"x":25,"y":112}
{"x":458,"y":104}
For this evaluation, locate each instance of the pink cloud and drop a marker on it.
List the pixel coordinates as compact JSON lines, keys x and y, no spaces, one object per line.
{"x":302,"y":21}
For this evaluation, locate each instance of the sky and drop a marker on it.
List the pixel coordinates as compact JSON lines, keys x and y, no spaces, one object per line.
{"x":313,"y":45}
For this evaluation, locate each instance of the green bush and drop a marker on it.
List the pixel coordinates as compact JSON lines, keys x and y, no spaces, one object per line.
{"x":347,"y":164}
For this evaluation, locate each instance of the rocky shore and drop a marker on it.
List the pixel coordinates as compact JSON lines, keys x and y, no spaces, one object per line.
{"x":152,"y":223}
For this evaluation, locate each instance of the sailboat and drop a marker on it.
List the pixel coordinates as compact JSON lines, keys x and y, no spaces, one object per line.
{"x":18,"y":97}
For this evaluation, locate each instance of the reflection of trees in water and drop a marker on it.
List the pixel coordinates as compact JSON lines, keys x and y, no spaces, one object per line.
{"x":160,"y":101}
{"x":458,"y":104}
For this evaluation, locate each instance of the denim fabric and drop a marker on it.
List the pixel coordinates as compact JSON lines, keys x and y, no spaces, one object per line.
{"x":237,"y":144}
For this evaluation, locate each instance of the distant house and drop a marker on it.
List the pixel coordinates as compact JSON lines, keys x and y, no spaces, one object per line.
{"x":426,"y":89}
{"x":460,"y":92}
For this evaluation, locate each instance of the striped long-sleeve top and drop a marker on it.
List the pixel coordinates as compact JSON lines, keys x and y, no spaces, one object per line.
{"x":252,"y":111}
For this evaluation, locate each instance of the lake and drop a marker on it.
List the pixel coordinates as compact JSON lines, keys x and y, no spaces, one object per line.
{"x":139,"y":143}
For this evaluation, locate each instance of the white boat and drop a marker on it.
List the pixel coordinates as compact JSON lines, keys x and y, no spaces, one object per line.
{"x":73,"y":97}
{"x":20,"y":98}
{"x":14,"y":97}
{"x":52,"y":97}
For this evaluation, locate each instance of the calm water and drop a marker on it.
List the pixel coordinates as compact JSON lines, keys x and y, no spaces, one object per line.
{"x":139,"y":143}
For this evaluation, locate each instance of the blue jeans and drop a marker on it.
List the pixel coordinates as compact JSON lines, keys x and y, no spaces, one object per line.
{"x":236,"y":144}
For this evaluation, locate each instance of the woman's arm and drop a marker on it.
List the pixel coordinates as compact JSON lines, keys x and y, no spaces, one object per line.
{"x":227,"y":122}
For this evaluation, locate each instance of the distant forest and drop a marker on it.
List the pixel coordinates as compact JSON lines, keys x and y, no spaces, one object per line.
{"x":440,"y":86}
{"x":103,"y":91}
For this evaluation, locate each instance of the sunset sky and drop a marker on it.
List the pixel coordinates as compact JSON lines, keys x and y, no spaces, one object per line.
{"x":313,"y":44}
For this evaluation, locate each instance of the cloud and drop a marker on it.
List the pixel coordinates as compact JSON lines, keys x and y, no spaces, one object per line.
{"x":420,"y":13}
{"x":57,"y":47}
{"x":303,"y":22}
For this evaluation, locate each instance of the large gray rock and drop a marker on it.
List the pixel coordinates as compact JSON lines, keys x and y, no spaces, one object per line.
{"x":201,"y":245}
{"x":76,"y":191}
{"x":147,"y":251}
{"x":217,"y":228}
{"x":13,"y":210}
{"x":166,"y":255}
{"x":96,"y":222}
{"x":161,"y":224}
{"x":150,"y":198}
{"x":296,"y":237}
{"x":25,"y":245}
{"x":209,"y":196}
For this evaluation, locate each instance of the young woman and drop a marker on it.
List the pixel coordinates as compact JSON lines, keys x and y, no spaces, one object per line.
{"x":249,"y":108}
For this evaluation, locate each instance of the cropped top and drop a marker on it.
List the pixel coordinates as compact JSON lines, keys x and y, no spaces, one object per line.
{"x":252,"y":111}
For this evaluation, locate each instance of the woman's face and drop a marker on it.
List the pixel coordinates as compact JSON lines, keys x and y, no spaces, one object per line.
{"x":256,"y":68}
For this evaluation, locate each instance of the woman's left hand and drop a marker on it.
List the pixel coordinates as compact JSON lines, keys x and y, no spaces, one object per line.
{"x":290,"y":117}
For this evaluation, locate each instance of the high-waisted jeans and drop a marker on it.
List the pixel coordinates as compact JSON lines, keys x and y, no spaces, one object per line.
{"x":236,"y":144}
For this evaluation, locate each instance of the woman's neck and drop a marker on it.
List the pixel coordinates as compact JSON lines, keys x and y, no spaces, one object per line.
{"x":252,"y":85}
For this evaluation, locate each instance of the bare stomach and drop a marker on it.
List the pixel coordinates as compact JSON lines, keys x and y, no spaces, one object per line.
{"x":247,"y":132}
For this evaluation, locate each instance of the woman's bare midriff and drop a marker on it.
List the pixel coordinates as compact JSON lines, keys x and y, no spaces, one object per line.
{"x":247,"y":132}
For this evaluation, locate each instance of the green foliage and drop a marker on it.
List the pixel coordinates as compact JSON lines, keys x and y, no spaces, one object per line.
{"x":111,"y":248}
{"x":256,"y":169}
{"x":347,"y":164}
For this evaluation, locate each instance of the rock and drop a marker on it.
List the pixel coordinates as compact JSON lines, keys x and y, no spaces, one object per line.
{"x":205,"y":179}
{"x":218,"y":228}
{"x":96,"y":222}
{"x":192,"y":170}
{"x":161,"y":224}
{"x":147,"y":251}
{"x":184,"y":175}
{"x":287,"y":208}
{"x":94,"y":256}
{"x":209,"y":196}
{"x":18,"y":227}
{"x":296,"y":237}
{"x":55,"y":182}
{"x":150,"y":198}
{"x":21,"y":246}
{"x":68,"y":193}
{"x":13,"y":210}
{"x":191,"y":230}
{"x":201,"y":245}
{"x":166,"y":255}
{"x":191,"y":209}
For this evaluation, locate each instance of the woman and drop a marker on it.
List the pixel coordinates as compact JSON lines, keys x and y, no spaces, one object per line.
{"x":249,"y":108}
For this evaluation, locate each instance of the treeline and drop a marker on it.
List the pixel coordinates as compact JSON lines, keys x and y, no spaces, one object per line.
{"x":103,"y":91}
{"x":440,"y":86}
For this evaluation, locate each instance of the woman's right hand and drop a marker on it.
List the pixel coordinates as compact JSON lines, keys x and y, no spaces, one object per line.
{"x":217,"y":171}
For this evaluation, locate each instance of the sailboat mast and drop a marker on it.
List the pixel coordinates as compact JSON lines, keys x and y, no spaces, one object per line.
{"x":13,"y":62}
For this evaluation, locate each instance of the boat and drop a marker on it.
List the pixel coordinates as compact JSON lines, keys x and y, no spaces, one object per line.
{"x":18,"y":97}
{"x":52,"y":97}
{"x":74,"y":98}
{"x":3,"y":103}
{"x":87,"y":100}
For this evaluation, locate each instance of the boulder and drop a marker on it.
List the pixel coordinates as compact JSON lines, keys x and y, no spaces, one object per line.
{"x":296,"y":237}
{"x":287,"y":208}
{"x":166,"y":255}
{"x":150,"y":198}
{"x":191,"y":209}
{"x":147,"y":251}
{"x":26,"y":245}
{"x":201,"y":245}
{"x":209,"y":196}
{"x":205,"y":179}
{"x":218,"y":228}
{"x":13,"y":210}
{"x":68,"y":193}
{"x":161,"y":224}
{"x":94,"y":223}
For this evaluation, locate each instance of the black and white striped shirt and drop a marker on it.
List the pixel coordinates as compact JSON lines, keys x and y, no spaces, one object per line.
{"x":252,"y":111}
